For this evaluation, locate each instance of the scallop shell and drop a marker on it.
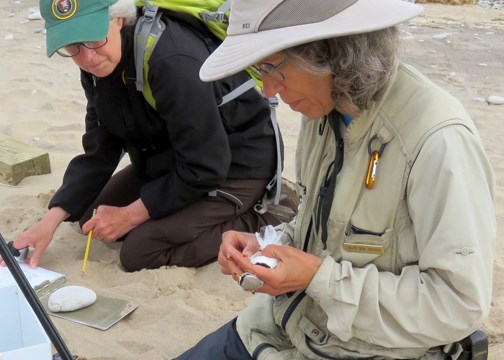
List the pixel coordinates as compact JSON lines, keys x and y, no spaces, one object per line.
{"x":71,"y":298}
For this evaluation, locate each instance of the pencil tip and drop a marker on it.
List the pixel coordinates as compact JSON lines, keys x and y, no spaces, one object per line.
{"x":82,"y":274}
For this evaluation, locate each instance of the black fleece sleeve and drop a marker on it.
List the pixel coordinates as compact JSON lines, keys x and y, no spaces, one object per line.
{"x":87,"y":173}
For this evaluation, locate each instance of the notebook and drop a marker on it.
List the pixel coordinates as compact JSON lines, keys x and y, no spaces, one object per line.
{"x":36,"y":277}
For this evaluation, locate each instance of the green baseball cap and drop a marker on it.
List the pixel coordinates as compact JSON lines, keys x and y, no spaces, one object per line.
{"x":74,"y":21}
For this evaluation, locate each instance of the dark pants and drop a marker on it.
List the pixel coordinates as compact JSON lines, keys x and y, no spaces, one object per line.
{"x":222,"y":344}
{"x":190,"y":237}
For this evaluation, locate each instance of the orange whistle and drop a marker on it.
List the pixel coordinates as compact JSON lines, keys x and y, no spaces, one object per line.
{"x":371,"y":172}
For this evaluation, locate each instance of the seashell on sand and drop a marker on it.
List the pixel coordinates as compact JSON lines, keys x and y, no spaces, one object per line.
{"x":495,"y":100}
{"x":71,"y":298}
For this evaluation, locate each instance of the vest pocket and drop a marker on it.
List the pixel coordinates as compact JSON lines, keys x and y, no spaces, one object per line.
{"x":315,"y":334}
{"x":362,"y":247}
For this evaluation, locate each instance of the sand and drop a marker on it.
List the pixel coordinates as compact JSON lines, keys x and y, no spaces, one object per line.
{"x":41,"y":103}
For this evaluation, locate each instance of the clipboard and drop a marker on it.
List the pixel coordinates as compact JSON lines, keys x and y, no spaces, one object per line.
{"x":102,"y":314}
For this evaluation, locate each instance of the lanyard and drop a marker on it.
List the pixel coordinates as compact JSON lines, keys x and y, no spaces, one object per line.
{"x":326,"y":192}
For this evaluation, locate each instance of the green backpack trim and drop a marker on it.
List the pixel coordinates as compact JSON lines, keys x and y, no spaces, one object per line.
{"x":212,"y":13}
{"x":147,"y":92}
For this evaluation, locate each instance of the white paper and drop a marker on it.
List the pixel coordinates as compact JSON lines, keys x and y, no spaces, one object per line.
{"x":34,"y":276}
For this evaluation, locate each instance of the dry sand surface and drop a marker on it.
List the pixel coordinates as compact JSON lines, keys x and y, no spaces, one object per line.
{"x":41,"y":103}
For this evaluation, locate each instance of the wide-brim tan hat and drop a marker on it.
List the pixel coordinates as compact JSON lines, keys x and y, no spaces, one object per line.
{"x":260,"y":28}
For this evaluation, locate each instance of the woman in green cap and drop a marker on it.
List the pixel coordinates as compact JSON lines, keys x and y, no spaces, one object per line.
{"x":197,"y":169}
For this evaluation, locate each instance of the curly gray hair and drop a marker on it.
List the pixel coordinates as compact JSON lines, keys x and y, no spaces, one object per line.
{"x":125,"y":9}
{"x":360,"y":64}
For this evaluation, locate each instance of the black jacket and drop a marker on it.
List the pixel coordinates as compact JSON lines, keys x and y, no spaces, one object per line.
{"x":187,"y":147}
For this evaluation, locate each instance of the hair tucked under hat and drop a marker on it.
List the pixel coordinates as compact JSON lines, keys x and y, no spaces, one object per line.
{"x":259,"y":28}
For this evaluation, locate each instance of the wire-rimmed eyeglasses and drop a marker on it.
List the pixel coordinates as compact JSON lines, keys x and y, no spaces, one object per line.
{"x":74,"y":49}
{"x":271,"y":70}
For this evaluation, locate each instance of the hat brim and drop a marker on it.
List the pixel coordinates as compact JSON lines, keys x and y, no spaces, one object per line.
{"x":90,"y":27}
{"x":238,"y":52}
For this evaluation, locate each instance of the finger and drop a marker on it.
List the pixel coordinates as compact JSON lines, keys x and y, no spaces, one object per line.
{"x":87,"y":227}
{"x":90,"y":224}
{"x":34,"y":260}
{"x":235,"y":276}
{"x":267,"y":289}
{"x":228,"y":251}
{"x":274,"y":251}
{"x":234,"y":269}
{"x":242,"y":261}
{"x":223,"y":262}
{"x":21,"y":243}
{"x":225,"y":270}
{"x":220,"y":256}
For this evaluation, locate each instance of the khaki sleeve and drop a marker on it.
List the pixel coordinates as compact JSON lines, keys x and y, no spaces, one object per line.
{"x":447,"y":294}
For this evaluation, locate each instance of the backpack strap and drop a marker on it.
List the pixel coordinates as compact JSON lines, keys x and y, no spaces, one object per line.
{"x":277,"y":179}
{"x":243,"y":88}
{"x":148,"y":30}
{"x":217,"y":16}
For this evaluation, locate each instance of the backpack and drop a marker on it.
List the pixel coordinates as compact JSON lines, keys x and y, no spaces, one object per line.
{"x":214,"y":15}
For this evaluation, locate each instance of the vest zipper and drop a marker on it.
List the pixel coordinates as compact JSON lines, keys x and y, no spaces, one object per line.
{"x":293,"y":305}
{"x":307,"y":236}
{"x":321,"y":354}
{"x":260,"y":348}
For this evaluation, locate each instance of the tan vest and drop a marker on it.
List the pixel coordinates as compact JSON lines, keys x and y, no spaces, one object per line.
{"x":366,"y":226}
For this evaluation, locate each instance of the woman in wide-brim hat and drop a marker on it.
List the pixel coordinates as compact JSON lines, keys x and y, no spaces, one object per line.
{"x":390,"y":255}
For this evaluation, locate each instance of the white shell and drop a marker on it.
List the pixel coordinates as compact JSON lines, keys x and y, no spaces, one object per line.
{"x":496,"y":100}
{"x":71,"y":298}
{"x":250,"y":282}
{"x":264,"y":261}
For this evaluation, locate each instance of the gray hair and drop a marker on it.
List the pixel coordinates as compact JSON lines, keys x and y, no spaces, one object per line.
{"x":125,"y":9}
{"x":360,"y":64}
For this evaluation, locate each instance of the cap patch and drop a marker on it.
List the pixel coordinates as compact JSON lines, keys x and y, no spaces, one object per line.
{"x":64,"y":9}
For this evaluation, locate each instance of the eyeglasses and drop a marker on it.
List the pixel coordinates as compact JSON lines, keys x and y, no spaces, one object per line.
{"x":270,"y":70}
{"x":74,"y":49}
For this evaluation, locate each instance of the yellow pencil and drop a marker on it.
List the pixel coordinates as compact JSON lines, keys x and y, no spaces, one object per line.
{"x":88,"y":245}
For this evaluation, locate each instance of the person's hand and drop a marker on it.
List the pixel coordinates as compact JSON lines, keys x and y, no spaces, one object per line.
{"x":112,"y":222}
{"x":236,"y":245}
{"x":294,"y":271}
{"x":40,"y":235}
{"x":108,"y":224}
